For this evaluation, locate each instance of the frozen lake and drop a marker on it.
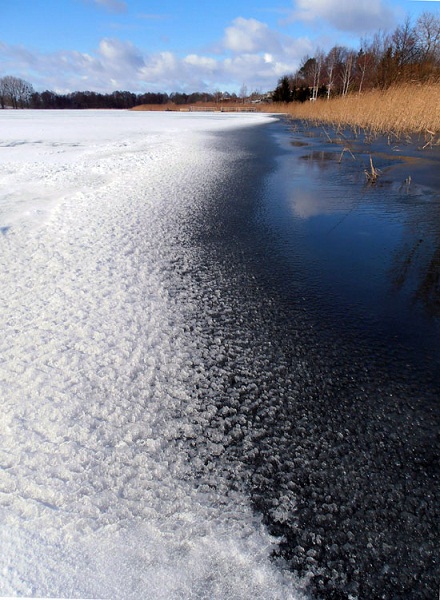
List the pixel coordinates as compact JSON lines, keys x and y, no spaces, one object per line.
{"x":104,"y":492}
{"x":219,"y":368}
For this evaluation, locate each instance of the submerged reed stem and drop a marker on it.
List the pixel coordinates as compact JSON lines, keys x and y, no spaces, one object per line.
{"x":373,"y":174}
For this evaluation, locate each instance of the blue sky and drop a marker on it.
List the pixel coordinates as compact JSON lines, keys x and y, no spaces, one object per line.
{"x":178,"y":45}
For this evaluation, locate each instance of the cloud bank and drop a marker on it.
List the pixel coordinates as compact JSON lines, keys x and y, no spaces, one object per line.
{"x":359,"y":16}
{"x":249,"y":52}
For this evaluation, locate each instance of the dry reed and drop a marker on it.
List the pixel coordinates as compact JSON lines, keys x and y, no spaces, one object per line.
{"x":372,"y":174}
{"x":398,"y":111}
{"x":155,"y":107}
{"x":217,"y":106}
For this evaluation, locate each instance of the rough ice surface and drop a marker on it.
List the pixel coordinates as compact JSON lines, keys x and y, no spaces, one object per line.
{"x":100,"y":495}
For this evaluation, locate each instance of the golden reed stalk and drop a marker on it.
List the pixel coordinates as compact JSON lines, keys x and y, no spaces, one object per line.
{"x":405,"y":109}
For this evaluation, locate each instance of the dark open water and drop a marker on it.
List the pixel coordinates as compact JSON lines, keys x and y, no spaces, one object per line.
{"x":319,"y":307}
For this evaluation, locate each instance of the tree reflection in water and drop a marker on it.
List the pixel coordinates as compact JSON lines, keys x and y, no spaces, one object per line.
{"x":417,"y":268}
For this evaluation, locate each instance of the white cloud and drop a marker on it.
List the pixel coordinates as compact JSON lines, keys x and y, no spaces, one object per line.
{"x":123,"y":54}
{"x":259,"y":57}
{"x":261,"y":69}
{"x":202,"y":62}
{"x":161,"y":67}
{"x":359,"y":16}
{"x":249,"y":35}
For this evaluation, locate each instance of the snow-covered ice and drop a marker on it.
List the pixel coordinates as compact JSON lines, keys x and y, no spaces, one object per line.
{"x":97,"y":490}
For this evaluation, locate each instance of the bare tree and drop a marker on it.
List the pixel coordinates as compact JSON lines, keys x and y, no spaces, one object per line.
{"x":427,"y":33}
{"x":366,"y":65}
{"x":2,"y":93}
{"x":317,"y":70}
{"x":333,"y":63}
{"x":310,"y":74}
{"x":15,"y":92}
{"x":409,"y":53}
{"x":243,"y":92}
{"x":347,"y":71}
{"x":381,"y":52}
{"x":330,"y":64}
{"x":24,"y":92}
{"x":404,"y":42}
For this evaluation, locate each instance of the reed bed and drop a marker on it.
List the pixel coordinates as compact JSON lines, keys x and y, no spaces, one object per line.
{"x":400,"y":110}
{"x":218,"y":106}
{"x":155,"y":107}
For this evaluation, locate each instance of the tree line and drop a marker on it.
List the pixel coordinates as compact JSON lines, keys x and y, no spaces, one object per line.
{"x":411,"y":53}
{"x":18,"y":93}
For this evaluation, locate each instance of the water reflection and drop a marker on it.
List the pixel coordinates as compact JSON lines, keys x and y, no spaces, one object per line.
{"x":374,"y":251}
{"x":306,"y":203}
{"x":325,"y":389}
{"x":429,"y":288}
{"x":417,"y":268}
{"x":319,"y":156}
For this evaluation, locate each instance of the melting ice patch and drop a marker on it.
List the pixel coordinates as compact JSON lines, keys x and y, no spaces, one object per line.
{"x":99,"y":422}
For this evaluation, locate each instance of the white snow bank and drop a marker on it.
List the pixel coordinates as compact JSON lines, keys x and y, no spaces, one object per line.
{"x":96,"y":373}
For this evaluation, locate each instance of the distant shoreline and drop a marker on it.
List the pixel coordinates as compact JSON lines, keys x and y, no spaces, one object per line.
{"x":397,"y":111}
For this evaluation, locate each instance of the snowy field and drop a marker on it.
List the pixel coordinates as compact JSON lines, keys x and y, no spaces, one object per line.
{"x":99,"y":422}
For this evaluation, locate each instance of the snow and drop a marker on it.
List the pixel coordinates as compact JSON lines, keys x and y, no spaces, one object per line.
{"x":98,"y":481}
